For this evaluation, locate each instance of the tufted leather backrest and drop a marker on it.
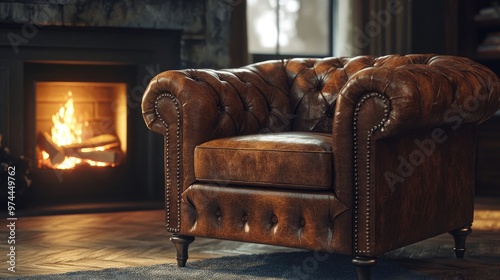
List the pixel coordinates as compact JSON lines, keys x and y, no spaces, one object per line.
{"x":314,"y":87}
{"x":297,"y":94}
{"x":311,"y":87}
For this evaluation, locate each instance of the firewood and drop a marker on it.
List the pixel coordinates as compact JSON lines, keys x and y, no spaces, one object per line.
{"x":108,"y":156}
{"x":107,"y":140}
{"x":56,"y":153}
{"x":85,"y":150}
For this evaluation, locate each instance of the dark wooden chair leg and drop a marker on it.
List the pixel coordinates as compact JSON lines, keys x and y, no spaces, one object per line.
{"x":363,"y":266}
{"x":181,"y":243}
{"x":460,"y":235}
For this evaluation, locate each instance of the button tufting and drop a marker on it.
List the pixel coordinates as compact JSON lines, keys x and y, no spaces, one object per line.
{"x":194,"y":77}
{"x":220,"y":108}
{"x":244,"y":218}
{"x":330,"y":225}
{"x":274,"y":219}
{"x":218,"y":213}
{"x":329,"y":113}
{"x":319,"y":84}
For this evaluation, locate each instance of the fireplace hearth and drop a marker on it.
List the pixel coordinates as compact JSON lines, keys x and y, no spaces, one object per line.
{"x":74,"y":111}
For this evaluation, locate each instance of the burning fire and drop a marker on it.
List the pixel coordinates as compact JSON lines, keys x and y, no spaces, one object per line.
{"x":66,"y":129}
{"x":67,"y":141}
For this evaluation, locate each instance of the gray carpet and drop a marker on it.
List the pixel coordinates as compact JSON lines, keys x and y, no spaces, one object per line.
{"x":289,"y":265}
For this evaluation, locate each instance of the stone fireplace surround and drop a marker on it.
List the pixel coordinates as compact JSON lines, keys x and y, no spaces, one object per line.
{"x":135,"y":39}
{"x":205,"y":24}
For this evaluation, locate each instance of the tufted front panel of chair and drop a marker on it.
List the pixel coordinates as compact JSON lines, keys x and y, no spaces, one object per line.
{"x":311,"y":220}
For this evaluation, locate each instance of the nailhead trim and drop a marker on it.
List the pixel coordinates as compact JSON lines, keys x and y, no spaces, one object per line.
{"x":357,"y":222}
{"x":168,"y":184}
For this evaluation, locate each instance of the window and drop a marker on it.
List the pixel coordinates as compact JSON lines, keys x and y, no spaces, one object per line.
{"x":289,"y":28}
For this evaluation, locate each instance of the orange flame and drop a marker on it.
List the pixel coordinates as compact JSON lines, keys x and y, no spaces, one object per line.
{"x":66,"y":130}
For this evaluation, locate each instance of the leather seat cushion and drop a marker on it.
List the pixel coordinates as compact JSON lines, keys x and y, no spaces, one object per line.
{"x":296,"y":160}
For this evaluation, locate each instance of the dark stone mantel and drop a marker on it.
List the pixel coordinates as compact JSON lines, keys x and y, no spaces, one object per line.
{"x":205,"y":24}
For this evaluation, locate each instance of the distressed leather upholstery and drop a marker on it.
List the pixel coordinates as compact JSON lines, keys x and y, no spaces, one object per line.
{"x":290,"y":160}
{"x":356,"y":156}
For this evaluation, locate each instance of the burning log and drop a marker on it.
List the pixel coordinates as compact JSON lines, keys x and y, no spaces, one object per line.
{"x":56,"y":153}
{"x":111,"y":156}
{"x":104,"y":140}
{"x":103,"y":148}
{"x":66,"y":148}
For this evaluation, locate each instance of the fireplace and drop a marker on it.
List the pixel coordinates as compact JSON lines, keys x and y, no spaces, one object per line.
{"x":80,"y":124}
{"x":76,"y":93}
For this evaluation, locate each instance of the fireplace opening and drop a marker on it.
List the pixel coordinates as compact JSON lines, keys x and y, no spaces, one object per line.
{"x":80,"y":124}
{"x":80,"y":121}
{"x":85,"y":84}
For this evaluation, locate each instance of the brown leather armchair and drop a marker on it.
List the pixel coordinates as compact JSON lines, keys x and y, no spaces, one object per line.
{"x":355,"y":156}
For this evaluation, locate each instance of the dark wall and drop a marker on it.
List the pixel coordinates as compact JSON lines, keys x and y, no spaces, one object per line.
{"x":429,"y":26}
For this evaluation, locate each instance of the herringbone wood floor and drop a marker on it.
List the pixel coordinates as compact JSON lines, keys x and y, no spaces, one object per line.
{"x":63,"y":243}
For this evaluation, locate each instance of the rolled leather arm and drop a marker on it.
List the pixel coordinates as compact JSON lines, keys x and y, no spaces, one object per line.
{"x":387,"y":100}
{"x":185,"y":107}
{"x":219,"y":103}
{"x":446,"y":90}
{"x":184,"y":111}
{"x":190,"y":107}
{"x":180,"y":98}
